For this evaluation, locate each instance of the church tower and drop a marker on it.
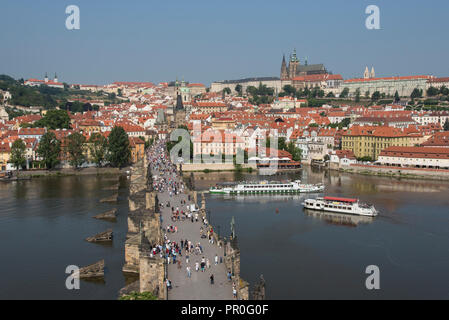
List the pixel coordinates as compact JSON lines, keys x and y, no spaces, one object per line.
{"x":372,"y":74}
{"x":284,"y":71}
{"x":56,"y":78}
{"x":366,"y":74}
{"x":293,"y":66}
{"x":46,"y":78}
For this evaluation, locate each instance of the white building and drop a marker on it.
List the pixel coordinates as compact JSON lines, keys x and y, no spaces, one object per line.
{"x":418,"y":157}
{"x":388,"y":85}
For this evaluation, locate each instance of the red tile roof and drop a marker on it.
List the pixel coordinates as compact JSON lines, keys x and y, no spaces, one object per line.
{"x":416,"y":152}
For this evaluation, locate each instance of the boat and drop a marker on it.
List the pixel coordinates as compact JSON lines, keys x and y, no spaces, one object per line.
{"x":339,"y":219}
{"x":340,"y":205}
{"x":266,"y":187}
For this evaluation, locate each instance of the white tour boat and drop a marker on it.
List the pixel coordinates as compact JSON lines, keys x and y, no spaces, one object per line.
{"x":274,"y":187}
{"x":340,"y":205}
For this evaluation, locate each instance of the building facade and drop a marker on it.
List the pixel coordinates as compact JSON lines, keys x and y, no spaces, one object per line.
{"x":366,"y":141}
{"x":388,"y":85}
{"x":418,"y":157}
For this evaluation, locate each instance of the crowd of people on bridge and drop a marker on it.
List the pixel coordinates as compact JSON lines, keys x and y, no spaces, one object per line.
{"x":166,"y":180}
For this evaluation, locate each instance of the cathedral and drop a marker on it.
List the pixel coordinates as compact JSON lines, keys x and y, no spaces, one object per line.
{"x":295,"y":69}
{"x":369,"y":75}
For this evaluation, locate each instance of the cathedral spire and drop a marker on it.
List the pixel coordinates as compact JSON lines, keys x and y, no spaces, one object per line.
{"x":284,"y":72}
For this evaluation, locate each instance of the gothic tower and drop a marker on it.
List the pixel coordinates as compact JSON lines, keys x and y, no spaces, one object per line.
{"x":293,"y":66}
{"x":372,"y":74}
{"x":179,"y":112}
{"x":284,"y":71}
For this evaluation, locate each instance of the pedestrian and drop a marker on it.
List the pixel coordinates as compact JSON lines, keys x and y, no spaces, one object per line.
{"x":216,"y":259}
{"x":168,"y":284}
{"x":197,"y":266}
{"x":234,"y":292}
{"x":207,"y":264}
{"x":229,"y":276}
{"x":188,"y":271}
{"x":211,"y":279}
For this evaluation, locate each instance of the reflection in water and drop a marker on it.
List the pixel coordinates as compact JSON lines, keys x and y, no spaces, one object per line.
{"x":309,"y":255}
{"x":43,"y":226}
{"x":262,"y":198}
{"x":346,"y":220}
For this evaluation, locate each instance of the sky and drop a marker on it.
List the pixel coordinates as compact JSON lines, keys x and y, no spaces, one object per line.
{"x":206,"y":41}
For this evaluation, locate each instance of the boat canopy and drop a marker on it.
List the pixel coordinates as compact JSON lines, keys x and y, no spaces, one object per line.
{"x":340,"y":199}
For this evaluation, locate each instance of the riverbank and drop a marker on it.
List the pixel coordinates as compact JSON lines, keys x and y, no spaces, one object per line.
{"x":229,"y":167}
{"x":70,"y":172}
{"x":396,"y":172}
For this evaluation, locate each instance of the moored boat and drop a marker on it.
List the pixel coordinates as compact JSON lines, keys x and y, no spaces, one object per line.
{"x":265,"y":187}
{"x":340,"y":205}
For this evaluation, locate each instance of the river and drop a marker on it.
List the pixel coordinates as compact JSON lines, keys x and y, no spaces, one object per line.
{"x":307,"y":255}
{"x":43,"y":224}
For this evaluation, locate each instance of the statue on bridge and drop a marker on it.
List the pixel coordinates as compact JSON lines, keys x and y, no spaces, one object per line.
{"x":149,"y":180}
{"x":232,"y":227}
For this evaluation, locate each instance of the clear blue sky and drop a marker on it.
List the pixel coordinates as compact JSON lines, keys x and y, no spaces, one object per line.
{"x":204,"y":41}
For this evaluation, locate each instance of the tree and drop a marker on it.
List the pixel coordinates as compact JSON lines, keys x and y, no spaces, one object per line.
{"x":238,"y":88}
{"x":432,"y":91}
{"x":416,"y":93}
{"x":344,"y":123}
{"x":75,"y":149}
{"x":227,"y":90}
{"x":396,"y":97}
{"x":98,"y":146}
{"x":357,"y":95}
{"x":54,"y":119}
{"x":18,"y":154}
{"x":446,"y":125}
{"x":344,"y":93}
{"x":119,"y":152}
{"x":375,"y":96}
{"x":289,"y":90}
{"x":281,"y":143}
{"x":294,"y":151}
{"x":49,"y":149}
{"x":444,"y":91}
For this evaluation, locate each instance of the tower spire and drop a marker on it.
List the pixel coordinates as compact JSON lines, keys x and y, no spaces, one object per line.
{"x":284,"y":72}
{"x":366,"y":74}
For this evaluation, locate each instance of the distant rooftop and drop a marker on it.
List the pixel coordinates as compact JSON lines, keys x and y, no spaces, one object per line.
{"x":249,"y":80}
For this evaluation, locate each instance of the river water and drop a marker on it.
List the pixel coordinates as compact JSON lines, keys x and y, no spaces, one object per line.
{"x":43,"y":224}
{"x":307,"y":255}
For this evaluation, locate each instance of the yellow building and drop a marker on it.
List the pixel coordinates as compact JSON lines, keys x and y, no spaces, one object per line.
{"x":223,"y":123}
{"x":137,"y":147}
{"x":5,"y":153}
{"x":90,"y":126}
{"x":368,"y":141}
